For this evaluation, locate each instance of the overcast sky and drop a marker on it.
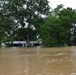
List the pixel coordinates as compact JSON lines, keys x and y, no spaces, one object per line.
{"x":66,"y":3}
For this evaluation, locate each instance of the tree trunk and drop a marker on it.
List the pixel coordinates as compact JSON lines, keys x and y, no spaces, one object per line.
{"x":57,"y":39}
{"x":28,"y":32}
{"x":28,"y":40}
{"x":69,"y":41}
{"x":28,"y":36}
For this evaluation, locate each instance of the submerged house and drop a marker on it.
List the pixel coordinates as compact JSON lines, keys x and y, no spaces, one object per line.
{"x":24,"y":44}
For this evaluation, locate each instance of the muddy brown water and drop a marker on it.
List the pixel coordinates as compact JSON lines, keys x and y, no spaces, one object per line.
{"x":38,"y":61}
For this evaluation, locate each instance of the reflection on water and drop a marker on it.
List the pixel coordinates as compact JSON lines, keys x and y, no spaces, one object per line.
{"x":38,"y":61}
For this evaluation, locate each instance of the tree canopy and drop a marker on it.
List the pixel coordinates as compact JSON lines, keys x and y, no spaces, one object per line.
{"x":25,"y":20}
{"x":28,"y":14}
{"x":59,"y":29}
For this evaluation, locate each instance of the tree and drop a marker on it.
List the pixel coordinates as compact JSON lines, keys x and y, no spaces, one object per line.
{"x":68,"y":18}
{"x":27,"y":13}
{"x":52,"y":33}
{"x":57,"y":29}
{"x":4,"y":24}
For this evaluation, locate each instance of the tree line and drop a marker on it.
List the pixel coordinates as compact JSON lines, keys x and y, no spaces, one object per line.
{"x":30,"y":20}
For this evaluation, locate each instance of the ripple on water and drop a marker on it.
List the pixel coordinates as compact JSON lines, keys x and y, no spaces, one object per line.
{"x":73,"y":74}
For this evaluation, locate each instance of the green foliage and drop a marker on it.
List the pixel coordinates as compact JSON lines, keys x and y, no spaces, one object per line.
{"x":53,"y":33}
{"x":25,"y":20}
{"x":21,"y":34}
{"x":57,"y":29}
{"x":22,"y":16}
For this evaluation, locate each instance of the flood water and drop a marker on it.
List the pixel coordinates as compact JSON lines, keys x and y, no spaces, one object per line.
{"x":38,"y":61}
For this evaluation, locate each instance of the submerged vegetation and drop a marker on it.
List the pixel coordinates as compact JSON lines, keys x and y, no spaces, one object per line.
{"x":31,"y":20}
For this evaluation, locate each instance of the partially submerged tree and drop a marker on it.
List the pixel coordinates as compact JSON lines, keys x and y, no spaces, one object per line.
{"x":68,"y":18}
{"x":57,"y":29}
{"x":53,"y":33}
{"x":26,"y":13}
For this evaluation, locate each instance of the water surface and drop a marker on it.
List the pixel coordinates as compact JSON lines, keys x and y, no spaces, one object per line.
{"x":38,"y":61}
